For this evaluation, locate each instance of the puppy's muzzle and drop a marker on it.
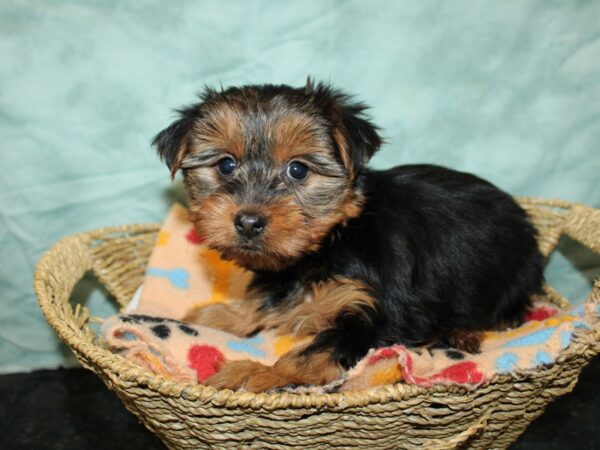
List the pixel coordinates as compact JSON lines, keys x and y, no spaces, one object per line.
{"x":249,"y":225}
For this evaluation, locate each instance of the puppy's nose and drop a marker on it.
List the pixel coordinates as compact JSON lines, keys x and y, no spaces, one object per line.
{"x":250,"y":225}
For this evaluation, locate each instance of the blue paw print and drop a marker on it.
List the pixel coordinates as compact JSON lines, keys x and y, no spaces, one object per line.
{"x":507,"y":362}
{"x":177,"y":277}
{"x":536,"y":338}
{"x":542,"y":358}
{"x":565,"y":338}
{"x":248,"y":346}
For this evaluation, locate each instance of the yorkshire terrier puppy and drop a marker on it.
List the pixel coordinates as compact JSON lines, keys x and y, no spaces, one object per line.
{"x":353,"y":257}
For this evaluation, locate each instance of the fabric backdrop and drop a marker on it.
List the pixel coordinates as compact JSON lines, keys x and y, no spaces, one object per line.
{"x":507,"y":90}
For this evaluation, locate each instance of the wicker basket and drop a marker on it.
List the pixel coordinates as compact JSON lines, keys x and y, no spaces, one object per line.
{"x":392,"y":416}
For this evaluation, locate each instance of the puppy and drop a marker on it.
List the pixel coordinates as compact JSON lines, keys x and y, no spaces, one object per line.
{"x":347,"y":257}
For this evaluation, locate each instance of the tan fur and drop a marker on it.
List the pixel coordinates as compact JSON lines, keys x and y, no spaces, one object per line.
{"x":220,"y":129}
{"x":468,"y":341}
{"x":181,"y":152}
{"x":349,"y":208}
{"x":352,"y":206}
{"x":288,"y":235}
{"x":320,"y":306}
{"x":293,"y":368}
{"x":310,"y":315}
{"x":340,"y":140}
{"x":213,"y":218}
{"x":313,"y":311}
{"x":240,"y":318}
{"x":293,"y":135}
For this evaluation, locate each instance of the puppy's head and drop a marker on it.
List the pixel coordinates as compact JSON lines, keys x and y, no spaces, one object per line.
{"x":270,"y":170}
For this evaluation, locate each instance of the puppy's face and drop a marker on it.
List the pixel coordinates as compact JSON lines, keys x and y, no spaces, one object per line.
{"x":270,"y":170}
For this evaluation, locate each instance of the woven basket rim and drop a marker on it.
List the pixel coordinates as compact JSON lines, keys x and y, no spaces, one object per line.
{"x":117,"y":366}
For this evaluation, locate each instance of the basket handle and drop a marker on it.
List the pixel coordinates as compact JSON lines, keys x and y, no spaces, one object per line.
{"x":583,"y":225}
{"x":56,"y":274}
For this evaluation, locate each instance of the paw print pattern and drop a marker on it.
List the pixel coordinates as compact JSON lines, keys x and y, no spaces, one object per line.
{"x":248,"y":345}
{"x":206,"y":360}
{"x":161,"y":327}
{"x":178,"y":277}
{"x":163,"y":238}
{"x":193,"y":237}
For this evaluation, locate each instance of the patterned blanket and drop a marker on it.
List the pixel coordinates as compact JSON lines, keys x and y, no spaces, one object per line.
{"x":183,"y":273}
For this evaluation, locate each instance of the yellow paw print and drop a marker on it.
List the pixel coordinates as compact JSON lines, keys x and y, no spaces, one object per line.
{"x":163,"y":238}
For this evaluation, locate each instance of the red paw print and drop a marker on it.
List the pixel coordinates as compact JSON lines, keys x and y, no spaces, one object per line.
{"x":193,"y":237}
{"x":205,"y":360}
{"x":541,"y":313}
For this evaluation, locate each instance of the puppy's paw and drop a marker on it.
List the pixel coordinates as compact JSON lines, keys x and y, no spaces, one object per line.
{"x":248,"y":375}
{"x":467,"y":341}
{"x":294,"y":368}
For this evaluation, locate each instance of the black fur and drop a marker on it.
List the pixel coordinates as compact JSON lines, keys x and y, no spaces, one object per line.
{"x":441,"y":251}
{"x":171,"y":139}
{"x":360,"y":134}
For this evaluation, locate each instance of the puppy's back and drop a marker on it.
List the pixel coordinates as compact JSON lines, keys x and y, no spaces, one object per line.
{"x":444,"y":250}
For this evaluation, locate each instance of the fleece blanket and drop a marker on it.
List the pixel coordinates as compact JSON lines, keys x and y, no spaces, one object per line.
{"x":183,"y":273}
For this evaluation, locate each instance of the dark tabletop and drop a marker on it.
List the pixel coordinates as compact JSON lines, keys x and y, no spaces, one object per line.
{"x":72,"y":409}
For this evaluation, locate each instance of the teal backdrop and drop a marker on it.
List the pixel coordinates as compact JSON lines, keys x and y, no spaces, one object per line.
{"x":508,"y":90}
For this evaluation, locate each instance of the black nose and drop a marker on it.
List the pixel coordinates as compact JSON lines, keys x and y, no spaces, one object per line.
{"x":250,"y":225}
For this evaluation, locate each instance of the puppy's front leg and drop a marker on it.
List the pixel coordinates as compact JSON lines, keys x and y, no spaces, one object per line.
{"x":320,"y":362}
{"x":344,"y":318}
{"x":240,"y":318}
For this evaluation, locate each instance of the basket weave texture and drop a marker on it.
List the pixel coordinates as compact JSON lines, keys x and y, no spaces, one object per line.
{"x":391,"y":417}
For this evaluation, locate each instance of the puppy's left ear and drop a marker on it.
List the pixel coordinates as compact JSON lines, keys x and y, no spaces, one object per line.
{"x":355,"y":136}
{"x":172,"y":142}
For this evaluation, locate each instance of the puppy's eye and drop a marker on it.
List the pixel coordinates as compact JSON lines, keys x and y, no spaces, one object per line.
{"x":297,"y":171}
{"x":226,"y":165}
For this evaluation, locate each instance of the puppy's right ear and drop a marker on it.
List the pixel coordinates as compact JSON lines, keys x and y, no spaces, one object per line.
{"x":172,"y":142}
